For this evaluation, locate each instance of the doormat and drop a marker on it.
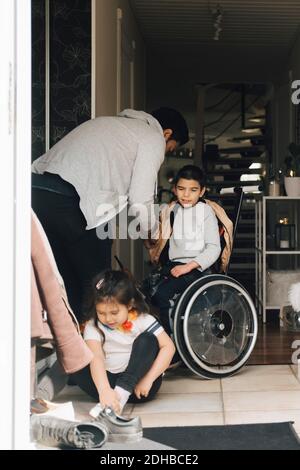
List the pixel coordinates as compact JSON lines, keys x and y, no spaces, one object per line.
{"x":267,"y":436}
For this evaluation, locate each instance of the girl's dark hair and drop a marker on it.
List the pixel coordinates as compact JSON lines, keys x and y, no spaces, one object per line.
{"x":114,"y":285}
{"x":191,"y":172}
{"x":170,"y":118}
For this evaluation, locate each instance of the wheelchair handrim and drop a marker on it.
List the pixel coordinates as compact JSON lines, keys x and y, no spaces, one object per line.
{"x":214,"y":370}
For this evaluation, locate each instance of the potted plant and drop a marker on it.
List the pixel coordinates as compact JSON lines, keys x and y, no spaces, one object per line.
{"x":292,"y":177}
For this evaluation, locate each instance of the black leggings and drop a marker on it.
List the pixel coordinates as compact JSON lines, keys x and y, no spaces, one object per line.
{"x":144,"y":351}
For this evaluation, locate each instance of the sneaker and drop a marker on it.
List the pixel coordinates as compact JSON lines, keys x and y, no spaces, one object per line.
{"x":120,"y":429}
{"x":56,"y":432}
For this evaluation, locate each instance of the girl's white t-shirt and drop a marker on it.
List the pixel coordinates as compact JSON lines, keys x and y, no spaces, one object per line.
{"x":118,"y":344}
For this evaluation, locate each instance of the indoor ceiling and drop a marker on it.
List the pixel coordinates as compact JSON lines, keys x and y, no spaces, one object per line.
{"x":259,"y":32}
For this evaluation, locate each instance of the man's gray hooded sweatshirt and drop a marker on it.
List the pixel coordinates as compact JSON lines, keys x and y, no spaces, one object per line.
{"x":111,"y":161}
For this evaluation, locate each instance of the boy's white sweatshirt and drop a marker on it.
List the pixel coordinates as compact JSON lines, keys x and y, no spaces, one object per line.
{"x":195,"y":236}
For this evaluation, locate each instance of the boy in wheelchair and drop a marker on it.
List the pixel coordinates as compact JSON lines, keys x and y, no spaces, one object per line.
{"x":187,"y":244}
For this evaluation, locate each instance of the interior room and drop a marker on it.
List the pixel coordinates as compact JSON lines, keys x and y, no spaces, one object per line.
{"x":232,"y":68}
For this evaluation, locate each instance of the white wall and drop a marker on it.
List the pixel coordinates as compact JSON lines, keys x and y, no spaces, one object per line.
{"x":284,"y":109}
{"x":105,"y":55}
{"x":15,"y":135}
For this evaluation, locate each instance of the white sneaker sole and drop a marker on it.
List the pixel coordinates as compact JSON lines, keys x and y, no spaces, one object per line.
{"x":133,"y":437}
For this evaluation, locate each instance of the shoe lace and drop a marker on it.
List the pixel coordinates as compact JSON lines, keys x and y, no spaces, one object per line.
{"x":83,"y":439}
{"x":55,"y":430}
{"x":64,"y":432}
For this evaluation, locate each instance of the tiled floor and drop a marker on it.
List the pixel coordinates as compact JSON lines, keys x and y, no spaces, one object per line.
{"x":256,"y":394}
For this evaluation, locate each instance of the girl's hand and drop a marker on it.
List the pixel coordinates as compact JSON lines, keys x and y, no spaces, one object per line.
{"x":143,"y":387}
{"x":108,"y":397}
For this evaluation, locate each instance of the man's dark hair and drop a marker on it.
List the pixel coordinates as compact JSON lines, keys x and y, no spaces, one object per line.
{"x":191,"y":172}
{"x":169,"y":118}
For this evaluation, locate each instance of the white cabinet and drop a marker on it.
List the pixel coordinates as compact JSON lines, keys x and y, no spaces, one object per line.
{"x":269,"y":210}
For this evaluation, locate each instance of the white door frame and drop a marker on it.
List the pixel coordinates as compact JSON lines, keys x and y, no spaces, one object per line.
{"x":15,"y":129}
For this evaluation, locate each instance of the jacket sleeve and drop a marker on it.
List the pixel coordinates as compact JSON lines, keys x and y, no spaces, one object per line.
{"x":159,"y":236}
{"x":212,"y":247}
{"x":149,"y":158}
{"x":72,"y":352}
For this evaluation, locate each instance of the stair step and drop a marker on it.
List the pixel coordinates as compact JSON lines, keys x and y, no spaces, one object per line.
{"x":245,"y":207}
{"x":243,"y":251}
{"x":229,"y":184}
{"x":244,"y":235}
{"x":229,"y":197}
{"x":246,"y":221}
{"x":242,"y":150}
{"x":239,"y":160}
{"x":255,"y":140}
{"x":238,"y":267}
{"x":234,"y":171}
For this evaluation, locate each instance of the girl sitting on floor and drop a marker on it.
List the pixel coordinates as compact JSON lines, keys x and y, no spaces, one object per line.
{"x":131,"y":349}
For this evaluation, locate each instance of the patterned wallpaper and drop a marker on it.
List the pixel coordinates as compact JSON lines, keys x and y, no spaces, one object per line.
{"x":38,"y":78}
{"x":70,"y":68}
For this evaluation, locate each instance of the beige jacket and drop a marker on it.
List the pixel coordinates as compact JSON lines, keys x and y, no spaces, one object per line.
{"x":51,"y":314}
{"x":155,"y":246}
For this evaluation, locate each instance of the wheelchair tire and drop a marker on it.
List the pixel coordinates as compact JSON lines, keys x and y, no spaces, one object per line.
{"x":215,"y":326}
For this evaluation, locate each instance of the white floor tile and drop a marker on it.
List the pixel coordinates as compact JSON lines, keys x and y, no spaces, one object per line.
{"x":250,"y":381}
{"x":262,"y":401}
{"x":189,"y":385}
{"x":181,"y":403}
{"x":276,"y":369}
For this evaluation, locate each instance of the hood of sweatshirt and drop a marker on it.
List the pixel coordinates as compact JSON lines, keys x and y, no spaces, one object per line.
{"x":142,"y":116}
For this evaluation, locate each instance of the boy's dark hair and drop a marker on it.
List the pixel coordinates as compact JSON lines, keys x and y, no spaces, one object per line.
{"x":169,"y":118}
{"x":114,"y":285}
{"x":191,"y":172}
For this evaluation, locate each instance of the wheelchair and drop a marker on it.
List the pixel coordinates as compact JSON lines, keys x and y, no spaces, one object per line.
{"x":215,"y":326}
{"x":214,"y":321}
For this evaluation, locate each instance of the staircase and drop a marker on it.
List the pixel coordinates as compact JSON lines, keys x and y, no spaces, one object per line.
{"x":224,"y":168}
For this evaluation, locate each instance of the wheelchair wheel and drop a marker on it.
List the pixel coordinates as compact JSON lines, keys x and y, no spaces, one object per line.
{"x":215,"y":326}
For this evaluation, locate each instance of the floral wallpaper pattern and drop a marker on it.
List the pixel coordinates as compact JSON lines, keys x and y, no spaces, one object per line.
{"x":38,"y":78}
{"x":70,"y":69}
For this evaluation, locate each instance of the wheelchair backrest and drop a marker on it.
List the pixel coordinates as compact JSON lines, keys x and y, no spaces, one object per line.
{"x":235,"y":220}
{"x":236,"y":217}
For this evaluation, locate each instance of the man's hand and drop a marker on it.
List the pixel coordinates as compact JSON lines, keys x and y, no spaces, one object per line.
{"x":108,"y":397}
{"x":182,"y":269}
{"x":143,"y":387}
